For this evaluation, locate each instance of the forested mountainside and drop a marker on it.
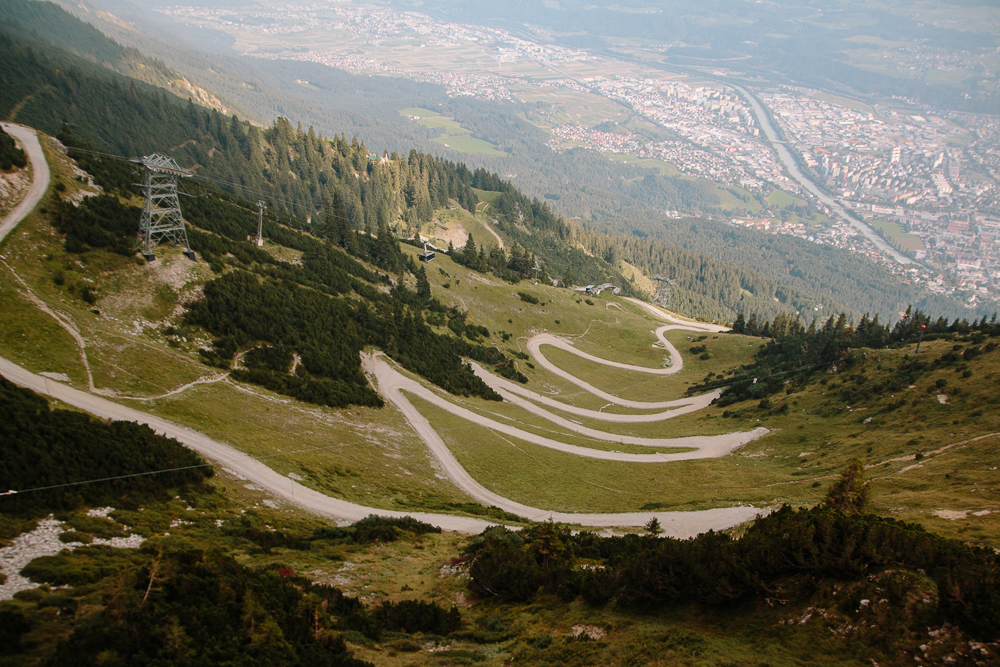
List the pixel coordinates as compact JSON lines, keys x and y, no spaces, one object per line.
{"x":47,"y":23}
{"x":795,"y":353}
{"x":720,"y":271}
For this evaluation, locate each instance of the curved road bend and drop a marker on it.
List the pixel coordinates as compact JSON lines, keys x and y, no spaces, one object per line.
{"x":392,"y":384}
{"x":675,"y":524}
{"x":667,"y":316}
{"x":39,"y":181}
{"x":535,"y":343}
{"x":684,"y":405}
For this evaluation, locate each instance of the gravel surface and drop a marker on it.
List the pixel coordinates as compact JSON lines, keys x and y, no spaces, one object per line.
{"x":44,"y":541}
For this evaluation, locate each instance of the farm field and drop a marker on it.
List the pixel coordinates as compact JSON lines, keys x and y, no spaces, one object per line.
{"x":898,"y":236}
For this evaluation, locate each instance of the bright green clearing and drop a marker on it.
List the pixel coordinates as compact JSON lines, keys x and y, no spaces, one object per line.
{"x":781,"y":199}
{"x":418,"y":112}
{"x":898,"y":236}
{"x":467,"y":144}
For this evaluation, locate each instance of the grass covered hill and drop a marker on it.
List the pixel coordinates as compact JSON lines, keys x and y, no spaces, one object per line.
{"x":221,"y":576}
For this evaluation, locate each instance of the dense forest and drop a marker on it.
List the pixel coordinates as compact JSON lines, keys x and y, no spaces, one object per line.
{"x":784,"y":556}
{"x":723,"y":270}
{"x":57,"y":448}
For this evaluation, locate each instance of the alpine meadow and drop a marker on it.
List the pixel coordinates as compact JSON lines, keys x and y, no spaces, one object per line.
{"x":404,"y":334}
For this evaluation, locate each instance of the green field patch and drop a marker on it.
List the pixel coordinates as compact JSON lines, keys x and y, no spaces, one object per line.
{"x":898,"y":236}
{"x":661,"y":167}
{"x":486,"y":195}
{"x":418,"y":112}
{"x":732,"y":197}
{"x":364,"y":455}
{"x":449,"y":125}
{"x":950,"y":77}
{"x":33,"y":339}
{"x":781,"y":199}
{"x":467,"y":144}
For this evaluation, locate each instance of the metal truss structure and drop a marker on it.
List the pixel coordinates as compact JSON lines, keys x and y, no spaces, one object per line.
{"x":261,"y":211}
{"x":161,"y":214}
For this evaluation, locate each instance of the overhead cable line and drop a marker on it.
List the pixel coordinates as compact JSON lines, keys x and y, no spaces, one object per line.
{"x":228,"y":186}
{"x":202,"y":465}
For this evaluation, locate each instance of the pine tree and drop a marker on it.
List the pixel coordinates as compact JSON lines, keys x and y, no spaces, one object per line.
{"x":567,"y":278}
{"x":850,"y":493}
{"x":423,"y":285}
{"x":470,"y":255}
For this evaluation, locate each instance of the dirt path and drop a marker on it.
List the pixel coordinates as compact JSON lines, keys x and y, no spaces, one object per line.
{"x":495,"y":235}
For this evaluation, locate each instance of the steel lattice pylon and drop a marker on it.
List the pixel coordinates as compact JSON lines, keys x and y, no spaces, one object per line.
{"x":161,"y":214}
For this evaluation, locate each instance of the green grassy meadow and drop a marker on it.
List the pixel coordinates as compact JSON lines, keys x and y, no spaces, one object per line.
{"x":898,"y":236}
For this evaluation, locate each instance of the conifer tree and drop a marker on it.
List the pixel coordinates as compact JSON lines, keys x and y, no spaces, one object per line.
{"x":470,"y":255}
{"x":423,"y":285}
{"x":567,"y":278}
{"x":850,"y":493}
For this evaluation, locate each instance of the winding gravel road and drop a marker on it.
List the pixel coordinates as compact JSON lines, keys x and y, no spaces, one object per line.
{"x":392,"y":383}
{"x":519,"y":392}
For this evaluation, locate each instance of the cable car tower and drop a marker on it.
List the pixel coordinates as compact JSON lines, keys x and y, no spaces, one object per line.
{"x":161,"y":214}
{"x":262,"y":211}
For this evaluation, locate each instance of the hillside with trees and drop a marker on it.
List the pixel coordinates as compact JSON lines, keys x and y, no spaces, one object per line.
{"x":299,"y":169}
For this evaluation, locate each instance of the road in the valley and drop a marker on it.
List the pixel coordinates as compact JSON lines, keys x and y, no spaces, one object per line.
{"x":677,"y":524}
{"x":793,"y":170}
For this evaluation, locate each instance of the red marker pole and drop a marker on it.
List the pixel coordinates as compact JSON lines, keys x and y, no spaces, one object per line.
{"x":919,"y":340}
